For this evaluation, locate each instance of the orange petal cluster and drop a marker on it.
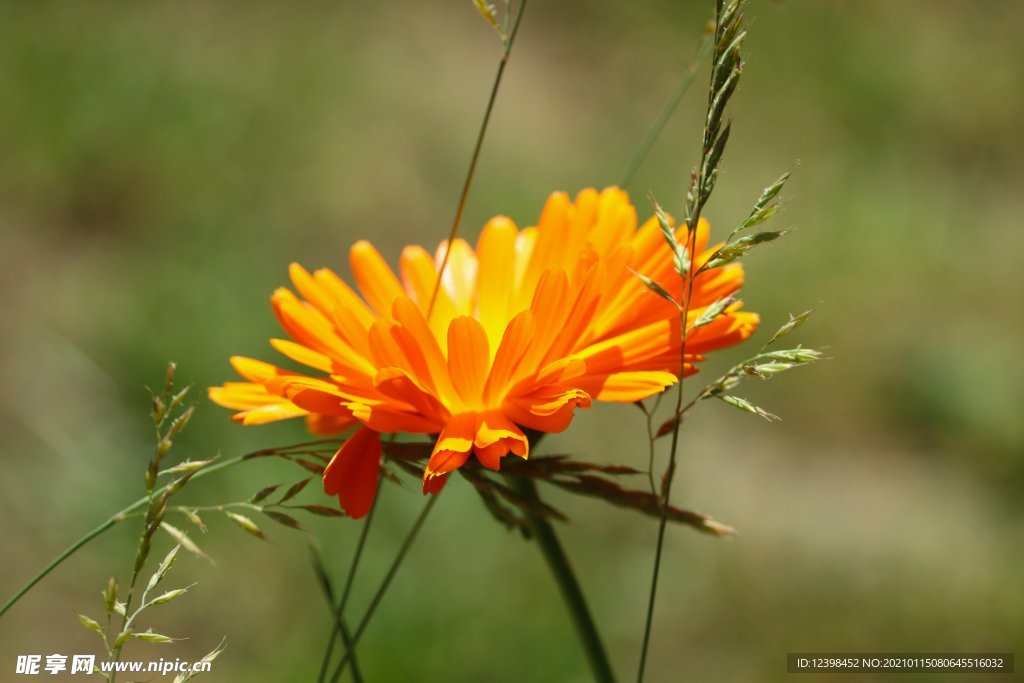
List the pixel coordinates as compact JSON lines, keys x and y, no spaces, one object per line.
{"x":529,"y":326}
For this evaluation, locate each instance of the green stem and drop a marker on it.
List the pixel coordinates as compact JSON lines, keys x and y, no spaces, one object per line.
{"x":696,"y":201}
{"x":464,"y":195}
{"x":114,"y":519}
{"x":68,"y":552}
{"x":346,"y":638}
{"x":339,"y":621}
{"x":375,"y":601}
{"x":339,"y":609}
{"x":558,"y":562}
{"x":666,"y":111}
{"x":666,"y":494}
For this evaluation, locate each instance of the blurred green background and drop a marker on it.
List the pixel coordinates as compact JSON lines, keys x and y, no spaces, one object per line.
{"x":162,"y":163}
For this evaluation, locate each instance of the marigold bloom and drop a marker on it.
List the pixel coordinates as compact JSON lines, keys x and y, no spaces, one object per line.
{"x":525,"y":329}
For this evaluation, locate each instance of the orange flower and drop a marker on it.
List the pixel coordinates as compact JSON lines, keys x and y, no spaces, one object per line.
{"x":525,"y":329}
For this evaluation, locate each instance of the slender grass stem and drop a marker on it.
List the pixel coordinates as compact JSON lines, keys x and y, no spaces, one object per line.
{"x":651,"y":438}
{"x":700,"y":192}
{"x":346,"y":637}
{"x":703,"y":50}
{"x":339,"y":621}
{"x":68,"y":552}
{"x":114,"y":519}
{"x":669,"y":476}
{"x":569,"y":587}
{"x":406,"y":544}
{"x":339,"y":608}
{"x":506,"y":51}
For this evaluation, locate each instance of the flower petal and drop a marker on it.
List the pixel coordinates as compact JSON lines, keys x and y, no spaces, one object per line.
{"x":434,"y":484}
{"x":459,"y":277}
{"x":514,"y":343}
{"x":496,"y":437}
{"x":328,"y":424}
{"x":419,"y":274}
{"x":496,"y":276}
{"x":626,"y":387}
{"x":352,"y":473}
{"x":468,"y":358}
{"x":375,"y":278}
{"x":546,"y":409}
{"x":453,"y":445}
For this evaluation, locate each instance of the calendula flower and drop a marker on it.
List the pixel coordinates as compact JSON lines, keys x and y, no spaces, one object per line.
{"x":523,"y":330}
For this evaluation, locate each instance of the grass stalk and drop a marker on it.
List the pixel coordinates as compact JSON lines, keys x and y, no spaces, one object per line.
{"x":111,"y":521}
{"x":324,"y":578}
{"x":703,"y":50}
{"x":339,"y":607}
{"x":365,"y":621}
{"x":460,"y":209}
{"x":725,"y":72}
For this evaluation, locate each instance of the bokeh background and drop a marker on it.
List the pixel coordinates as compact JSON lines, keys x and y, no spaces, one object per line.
{"x":162,"y":163}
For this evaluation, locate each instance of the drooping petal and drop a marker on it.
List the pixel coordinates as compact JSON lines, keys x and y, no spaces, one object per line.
{"x":496,"y":437}
{"x":453,"y":445}
{"x":433,"y":485}
{"x":352,"y":473}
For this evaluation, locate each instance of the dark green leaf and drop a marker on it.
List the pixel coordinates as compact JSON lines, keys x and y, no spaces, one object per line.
{"x":323,"y":510}
{"x":263,"y":493}
{"x":295,"y":489}
{"x":282,"y":518}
